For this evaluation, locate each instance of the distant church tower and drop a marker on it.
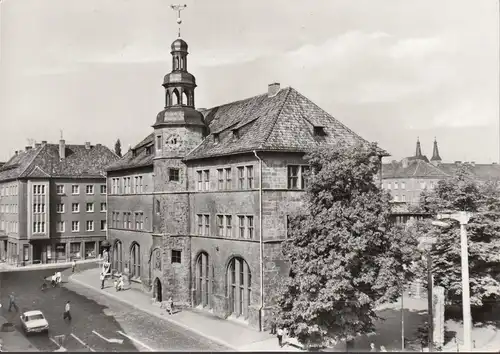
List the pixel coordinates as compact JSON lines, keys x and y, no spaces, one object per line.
{"x":178,"y":129}
{"x":436,"y":159}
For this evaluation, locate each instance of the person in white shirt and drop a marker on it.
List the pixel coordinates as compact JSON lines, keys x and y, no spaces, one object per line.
{"x":280,"y":334}
{"x":67,"y":314}
{"x":58,"y":278}
{"x":53,"y":280}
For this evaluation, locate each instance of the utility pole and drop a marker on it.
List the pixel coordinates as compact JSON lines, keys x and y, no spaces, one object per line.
{"x":463,"y":218}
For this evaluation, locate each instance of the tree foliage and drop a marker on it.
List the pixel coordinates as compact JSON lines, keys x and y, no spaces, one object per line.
{"x":345,"y":255}
{"x":464,"y":193}
{"x":118,"y":148}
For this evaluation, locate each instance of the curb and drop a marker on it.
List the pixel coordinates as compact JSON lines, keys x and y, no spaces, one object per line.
{"x":213,"y":339}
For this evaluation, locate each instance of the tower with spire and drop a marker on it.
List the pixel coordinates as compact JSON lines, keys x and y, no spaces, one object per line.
{"x":436,"y":159}
{"x":178,"y":129}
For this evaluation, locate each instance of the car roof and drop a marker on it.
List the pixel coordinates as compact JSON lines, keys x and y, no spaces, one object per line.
{"x":34,"y":312}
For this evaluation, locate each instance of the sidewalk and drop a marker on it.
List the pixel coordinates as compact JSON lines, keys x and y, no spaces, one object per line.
{"x":4,"y":267}
{"x":235,"y":336}
{"x":15,"y":341}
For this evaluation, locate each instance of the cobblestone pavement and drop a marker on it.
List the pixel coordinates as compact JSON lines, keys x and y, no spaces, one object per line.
{"x":96,"y":319}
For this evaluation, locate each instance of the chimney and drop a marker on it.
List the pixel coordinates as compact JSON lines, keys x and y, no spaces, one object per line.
{"x":62,"y":149}
{"x":15,"y":152}
{"x":37,"y":145}
{"x":44,"y":142}
{"x":28,"y":148}
{"x":458,"y":162}
{"x":87,"y":145}
{"x":273,"y":89}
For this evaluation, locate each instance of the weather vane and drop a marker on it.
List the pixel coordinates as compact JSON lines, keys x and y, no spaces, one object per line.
{"x":178,"y":8}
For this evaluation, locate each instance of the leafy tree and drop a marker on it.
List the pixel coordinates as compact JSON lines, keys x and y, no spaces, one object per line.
{"x":118,"y":148}
{"x":345,"y":255}
{"x":462,"y":192}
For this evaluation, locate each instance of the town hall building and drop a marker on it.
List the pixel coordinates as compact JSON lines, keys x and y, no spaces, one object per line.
{"x":198,"y":209}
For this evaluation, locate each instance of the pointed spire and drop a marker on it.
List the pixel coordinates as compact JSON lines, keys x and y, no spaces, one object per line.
{"x":435,"y":152}
{"x":418,"y":152}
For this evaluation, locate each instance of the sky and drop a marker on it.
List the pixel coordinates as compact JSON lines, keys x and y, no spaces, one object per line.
{"x":391,"y":70}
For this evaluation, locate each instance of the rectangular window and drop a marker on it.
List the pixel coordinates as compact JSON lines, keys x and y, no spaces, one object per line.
{"x":422,"y":185}
{"x":60,"y":226}
{"x":176,"y":256}
{"x":103,"y":189}
{"x":229,"y":226}
{"x":241,"y":177}
{"x":60,"y":208}
{"x":103,"y":225}
{"x":173,"y":175}
{"x":220,"y":225}
{"x":207,"y":225}
{"x":103,"y":207}
{"x":75,"y":226}
{"x":249,"y":177}
{"x":403,"y":198}
{"x":293,"y":177}
{"x":241,"y":224}
{"x":26,"y":253}
{"x":200,"y":180}
{"x":200,"y":224}
{"x":389,"y":185}
{"x":303,"y":178}
{"x":138,"y":221}
{"x":60,"y":189}
{"x":395,"y":185}
{"x":89,"y":189}
{"x":403,"y":185}
{"x":206,"y":178}
{"x":90,"y":225}
{"x":125,"y":220}
{"x":75,"y":189}
{"x":90,"y":207}
{"x":228,"y":178}
{"x":250,"y":227}
{"x":220,"y":179}
{"x":75,"y":207}
{"x":74,"y":249}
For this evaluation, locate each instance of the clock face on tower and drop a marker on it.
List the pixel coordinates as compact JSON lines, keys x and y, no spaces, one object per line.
{"x":172,"y":141}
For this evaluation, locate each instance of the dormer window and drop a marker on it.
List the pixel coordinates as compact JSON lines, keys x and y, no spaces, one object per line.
{"x":134,"y":153}
{"x":149,"y":150}
{"x":319,"y":131}
{"x":236,"y":134}
{"x":216,"y":138}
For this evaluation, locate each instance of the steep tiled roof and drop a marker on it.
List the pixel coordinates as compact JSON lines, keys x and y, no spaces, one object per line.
{"x":18,"y":164}
{"x":136,"y":157}
{"x":44,"y":161}
{"x":480,"y":171}
{"x":415,"y":169}
{"x":283,"y":122}
{"x":78,"y":162}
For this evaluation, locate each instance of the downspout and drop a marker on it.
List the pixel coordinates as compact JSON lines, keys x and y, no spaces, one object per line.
{"x":261,"y":244}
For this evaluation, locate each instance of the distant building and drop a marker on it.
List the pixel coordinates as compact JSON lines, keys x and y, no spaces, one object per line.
{"x":53,"y":203}
{"x":406,"y":179}
{"x":198,"y":209}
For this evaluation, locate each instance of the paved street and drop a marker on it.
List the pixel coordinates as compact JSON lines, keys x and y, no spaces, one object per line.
{"x":92,"y":311}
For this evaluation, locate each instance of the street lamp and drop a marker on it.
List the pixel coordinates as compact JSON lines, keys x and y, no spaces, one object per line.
{"x":463,"y":218}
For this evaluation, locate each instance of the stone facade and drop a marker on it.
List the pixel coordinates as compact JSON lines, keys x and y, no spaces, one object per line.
{"x":221,"y":184}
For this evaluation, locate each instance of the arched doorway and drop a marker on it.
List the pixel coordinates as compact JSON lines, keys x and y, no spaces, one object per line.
{"x":239,"y":287}
{"x":117,"y":256}
{"x":202,"y":278}
{"x":158,"y":290}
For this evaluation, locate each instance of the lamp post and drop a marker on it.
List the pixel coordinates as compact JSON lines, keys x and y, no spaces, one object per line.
{"x":463,"y":218}
{"x":402,"y":310}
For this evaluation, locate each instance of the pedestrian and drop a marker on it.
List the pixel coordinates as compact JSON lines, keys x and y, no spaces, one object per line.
{"x":102,"y":277}
{"x":73,"y":266}
{"x":382,"y":348}
{"x":53,"y":280}
{"x":280,"y":336}
{"x":58,"y":278}
{"x":273,"y":326}
{"x":372,"y":347}
{"x":12,"y":302}
{"x":170,"y":306}
{"x":44,"y":284}
{"x":67,"y":314}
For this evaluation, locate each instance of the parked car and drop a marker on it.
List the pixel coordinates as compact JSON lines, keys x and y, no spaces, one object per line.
{"x":34,"y":322}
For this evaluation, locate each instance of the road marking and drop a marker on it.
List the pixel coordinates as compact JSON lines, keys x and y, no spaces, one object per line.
{"x":60,"y":348}
{"x":82,"y":342}
{"x":137,"y":341}
{"x":109,"y":340}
